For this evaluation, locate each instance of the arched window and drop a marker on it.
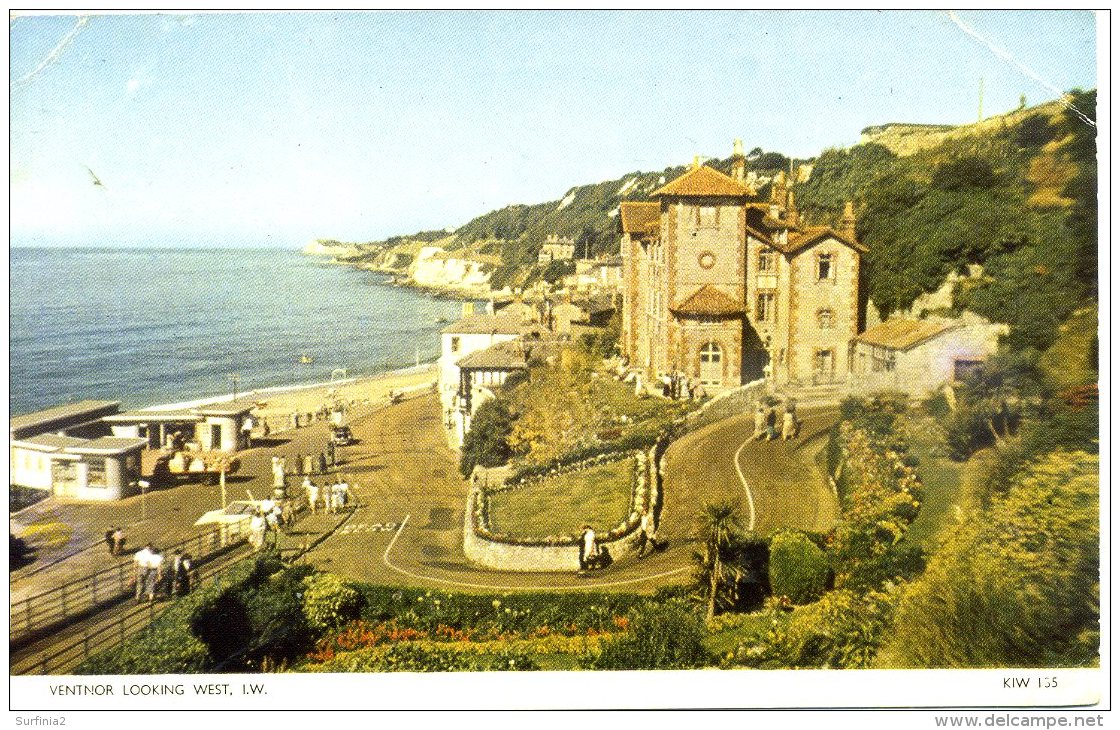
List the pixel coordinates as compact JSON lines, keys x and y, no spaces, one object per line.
{"x":711,"y":364}
{"x":825,"y":318}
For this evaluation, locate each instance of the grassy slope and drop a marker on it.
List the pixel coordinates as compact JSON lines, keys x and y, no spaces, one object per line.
{"x":599,"y":496}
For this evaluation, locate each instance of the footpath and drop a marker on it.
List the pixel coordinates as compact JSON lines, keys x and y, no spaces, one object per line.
{"x":68,"y":537}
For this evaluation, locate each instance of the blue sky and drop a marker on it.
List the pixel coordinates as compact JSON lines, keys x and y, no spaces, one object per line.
{"x":272,"y":129}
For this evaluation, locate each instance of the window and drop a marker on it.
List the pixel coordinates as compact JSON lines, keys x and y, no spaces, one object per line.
{"x":766,"y":311}
{"x":766,"y":262}
{"x":711,"y":364}
{"x":454,"y":344}
{"x":826,"y":268}
{"x":882,"y":360}
{"x":825,"y":318}
{"x":95,"y":472}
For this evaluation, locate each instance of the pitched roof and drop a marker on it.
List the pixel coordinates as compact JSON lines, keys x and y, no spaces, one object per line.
{"x":501,"y":356}
{"x":707,"y":300}
{"x":815,"y":233}
{"x":44,"y":419}
{"x":902,"y":334}
{"x":640,"y":218}
{"x":704,"y":181}
{"x":484,"y":324}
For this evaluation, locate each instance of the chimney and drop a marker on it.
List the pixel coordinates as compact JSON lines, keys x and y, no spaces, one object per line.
{"x":738,"y":162}
{"x":848,"y":221}
{"x":695,"y":161}
{"x":791,"y":210}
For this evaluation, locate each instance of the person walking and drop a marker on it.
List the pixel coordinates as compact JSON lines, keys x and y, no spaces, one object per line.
{"x":787,"y":426}
{"x":330,"y":453}
{"x":109,"y":540}
{"x":142,"y":566}
{"x":647,"y":533}
{"x":323,"y":463}
{"x":759,"y":423}
{"x":588,"y":548}
{"x":312,"y":494}
{"x":771,"y":425}
{"x":118,"y":541}
{"x":155,"y":575}
{"x":309,"y":464}
{"x":256,"y":532}
{"x":182,"y":574}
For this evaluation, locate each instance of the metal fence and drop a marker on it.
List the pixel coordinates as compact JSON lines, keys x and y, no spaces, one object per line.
{"x":39,"y":614}
{"x":104,"y":634}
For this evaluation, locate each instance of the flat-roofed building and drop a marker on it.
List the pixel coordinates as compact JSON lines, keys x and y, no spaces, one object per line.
{"x":48,"y":454}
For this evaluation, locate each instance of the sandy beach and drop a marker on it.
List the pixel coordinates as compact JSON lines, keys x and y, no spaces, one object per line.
{"x":277,"y":404}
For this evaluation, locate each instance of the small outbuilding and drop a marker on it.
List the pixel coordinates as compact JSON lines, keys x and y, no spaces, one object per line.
{"x":917,"y":356}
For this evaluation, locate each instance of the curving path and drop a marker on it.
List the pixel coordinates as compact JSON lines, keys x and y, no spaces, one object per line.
{"x":408,"y":529}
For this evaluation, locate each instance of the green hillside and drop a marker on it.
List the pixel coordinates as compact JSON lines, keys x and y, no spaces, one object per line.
{"x":1015,"y":193}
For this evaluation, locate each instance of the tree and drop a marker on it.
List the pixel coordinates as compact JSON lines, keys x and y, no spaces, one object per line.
{"x":487,"y":443}
{"x":1016,"y":584}
{"x":719,"y":525}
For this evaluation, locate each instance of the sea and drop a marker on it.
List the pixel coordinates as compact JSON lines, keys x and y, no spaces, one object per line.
{"x":157,"y":326}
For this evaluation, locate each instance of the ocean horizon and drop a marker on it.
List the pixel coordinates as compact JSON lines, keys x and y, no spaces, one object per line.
{"x":157,"y":325}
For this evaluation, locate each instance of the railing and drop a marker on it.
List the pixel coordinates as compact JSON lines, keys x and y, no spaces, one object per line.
{"x":35,"y":616}
{"x":104,"y":634}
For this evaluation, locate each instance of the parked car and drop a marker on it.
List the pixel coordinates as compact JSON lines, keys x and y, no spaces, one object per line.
{"x":234,"y":512}
{"x":342,"y":436}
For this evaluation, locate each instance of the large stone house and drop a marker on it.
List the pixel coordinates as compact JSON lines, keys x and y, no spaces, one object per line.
{"x":728,"y":289}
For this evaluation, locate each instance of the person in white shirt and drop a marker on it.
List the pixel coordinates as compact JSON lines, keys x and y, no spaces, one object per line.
{"x":588,"y":548}
{"x":256,"y":532}
{"x":155,"y":575}
{"x":312,"y":494}
{"x":142,"y":561}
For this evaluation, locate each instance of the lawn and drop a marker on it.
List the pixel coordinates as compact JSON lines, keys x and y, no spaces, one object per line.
{"x":599,"y":496}
{"x":941,"y":482}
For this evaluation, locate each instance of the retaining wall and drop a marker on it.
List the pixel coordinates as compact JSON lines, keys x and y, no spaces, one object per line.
{"x":557,"y":556}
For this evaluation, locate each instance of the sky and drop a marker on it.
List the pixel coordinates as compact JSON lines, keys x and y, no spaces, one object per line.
{"x":275,"y":129}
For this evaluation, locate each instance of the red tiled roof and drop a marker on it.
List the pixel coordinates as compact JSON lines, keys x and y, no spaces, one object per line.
{"x":702,"y":182}
{"x":640,"y":218}
{"x":902,"y":334}
{"x":815,"y":233}
{"x":707,"y":300}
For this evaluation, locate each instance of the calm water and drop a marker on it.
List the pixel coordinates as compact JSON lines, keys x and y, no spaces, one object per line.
{"x":159,"y":326}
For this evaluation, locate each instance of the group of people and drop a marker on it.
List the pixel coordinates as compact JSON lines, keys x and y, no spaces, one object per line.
{"x":115,"y":540}
{"x":593,"y":556}
{"x":269,"y":517}
{"x":157,"y":577}
{"x":766,"y":423}
{"x":678,"y":386}
{"x":332,"y":497}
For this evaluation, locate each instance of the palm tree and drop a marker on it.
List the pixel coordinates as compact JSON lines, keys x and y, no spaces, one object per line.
{"x":719,"y":524}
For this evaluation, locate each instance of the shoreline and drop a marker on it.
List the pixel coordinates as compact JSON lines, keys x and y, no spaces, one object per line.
{"x":279,"y":401}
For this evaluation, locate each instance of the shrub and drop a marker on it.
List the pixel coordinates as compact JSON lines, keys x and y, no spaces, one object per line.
{"x":660,"y":637}
{"x":168,"y":645}
{"x":1016,"y":584}
{"x":844,"y":630}
{"x":329,"y":602}
{"x":798,"y":568}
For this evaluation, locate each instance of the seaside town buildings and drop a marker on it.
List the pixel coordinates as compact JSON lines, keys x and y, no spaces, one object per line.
{"x":556,"y":248}
{"x":727,"y":289}
{"x":90,"y":450}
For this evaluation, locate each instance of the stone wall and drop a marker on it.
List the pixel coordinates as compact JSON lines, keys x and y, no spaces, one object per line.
{"x":558,"y":554}
{"x":727,"y":404}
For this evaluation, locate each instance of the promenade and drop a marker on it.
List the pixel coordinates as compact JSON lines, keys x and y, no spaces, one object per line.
{"x":407,"y":526}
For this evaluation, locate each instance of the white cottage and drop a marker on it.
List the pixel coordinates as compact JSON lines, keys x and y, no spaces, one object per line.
{"x":917,"y":356}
